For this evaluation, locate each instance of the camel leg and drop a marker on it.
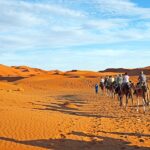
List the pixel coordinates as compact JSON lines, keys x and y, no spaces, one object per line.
{"x":107,"y":92}
{"x":101,"y":92}
{"x":112,"y":94}
{"x":144,"y":105}
{"x":104,"y":92}
{"x":123,"y":102}
{"x":148,"y":98}
{"x":137,"y":104}
{"x":145,"y":98}
{"x":132,"y":99}
{"x":120,"y":99}
{"x":126,"y":100}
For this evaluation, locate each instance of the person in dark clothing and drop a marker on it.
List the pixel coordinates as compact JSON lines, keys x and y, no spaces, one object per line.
{"x":96,"y":88}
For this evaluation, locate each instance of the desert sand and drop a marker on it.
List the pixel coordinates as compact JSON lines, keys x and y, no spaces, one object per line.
{"x":54,"y":110}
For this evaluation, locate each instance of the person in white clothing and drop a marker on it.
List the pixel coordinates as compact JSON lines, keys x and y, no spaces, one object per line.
{"x":102,"y":80}
{"x":126,"y":81}
{"x":112,"y":79}
{"x":126,"y":78}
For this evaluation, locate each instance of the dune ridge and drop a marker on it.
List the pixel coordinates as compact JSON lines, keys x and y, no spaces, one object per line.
{"x":26,"y":71}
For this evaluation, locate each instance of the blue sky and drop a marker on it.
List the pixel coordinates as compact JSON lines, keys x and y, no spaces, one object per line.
{"x":75,"y":34}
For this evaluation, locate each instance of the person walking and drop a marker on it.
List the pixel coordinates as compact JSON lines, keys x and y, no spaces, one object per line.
{"x":96,"y":88}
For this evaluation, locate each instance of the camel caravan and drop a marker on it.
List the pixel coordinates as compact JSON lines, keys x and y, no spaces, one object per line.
{"x":123,"y":89}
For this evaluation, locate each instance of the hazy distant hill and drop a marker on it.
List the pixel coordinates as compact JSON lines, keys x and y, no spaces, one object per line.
{"x":25,"y":71}
{"x":135,"y":71}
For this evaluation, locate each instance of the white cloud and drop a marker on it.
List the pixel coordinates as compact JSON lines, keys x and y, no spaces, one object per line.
{"x":124,"y":8}
{"x":106,"y":24}
{"x":40,"y":25}
{"x":26,"y":24}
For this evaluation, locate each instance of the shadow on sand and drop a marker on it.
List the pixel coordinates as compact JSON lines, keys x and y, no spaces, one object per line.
{"x":73,"y":99}
{"x":127,"y":134}
{"x":102,"y":143}
{"x":11,"y":79}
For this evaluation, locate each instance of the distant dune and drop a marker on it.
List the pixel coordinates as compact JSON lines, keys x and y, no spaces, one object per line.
{"x":25,"y":71}
{"x":132,"y":72}
{"x":19,"y":71}
{"x":8,"y":71}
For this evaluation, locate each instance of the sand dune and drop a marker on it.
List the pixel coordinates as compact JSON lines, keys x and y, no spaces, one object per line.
{"x":87,"y":74}
{"x":56,"y":110}
{"x":8,"y":71}
{"x":28,"y":71}
{"x":132,"y":72}
{"x":25,"y":71}
{"x":19,"y":71}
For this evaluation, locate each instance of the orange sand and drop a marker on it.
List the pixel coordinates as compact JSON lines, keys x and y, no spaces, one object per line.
{"x":60,"y":111}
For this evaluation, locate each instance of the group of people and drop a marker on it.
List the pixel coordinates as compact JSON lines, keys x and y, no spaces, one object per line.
{"x":120,"y":81}
{"x":121,"y":86}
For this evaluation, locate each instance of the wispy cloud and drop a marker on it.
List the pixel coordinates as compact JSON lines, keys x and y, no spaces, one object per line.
{"x":67,"y":25}
{"x":48,"y":25}
{"x":123,"y":8}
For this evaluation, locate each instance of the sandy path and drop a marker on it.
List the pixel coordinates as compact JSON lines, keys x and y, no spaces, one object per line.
{"x":69,"y":119}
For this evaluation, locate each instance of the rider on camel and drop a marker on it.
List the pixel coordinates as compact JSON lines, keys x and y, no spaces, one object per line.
{"x":119,"y":80}
{"x":111,"y":80}
{"x":106,"y":81}
{"x":126,"y":80}
{"x":142,"y":80}
{"x":102,"y":81}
